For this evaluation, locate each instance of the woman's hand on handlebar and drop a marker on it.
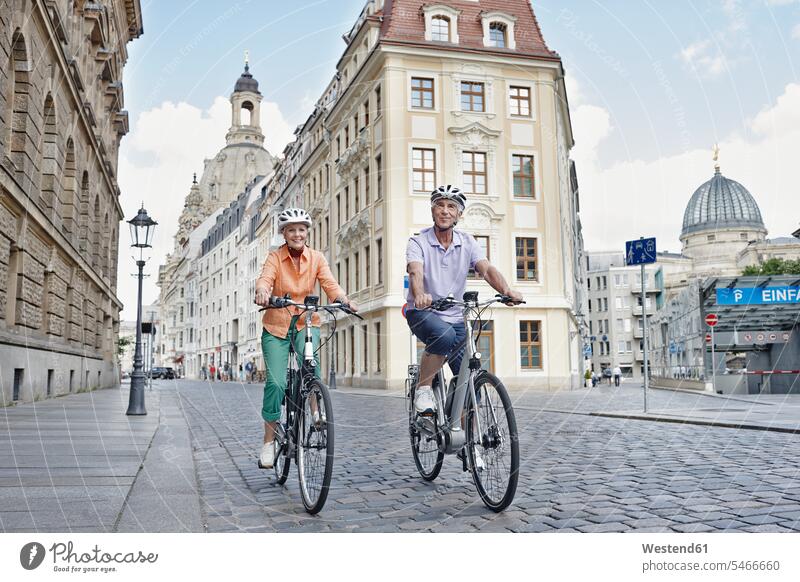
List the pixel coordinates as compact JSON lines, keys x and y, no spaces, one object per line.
{"x":262,"y":297}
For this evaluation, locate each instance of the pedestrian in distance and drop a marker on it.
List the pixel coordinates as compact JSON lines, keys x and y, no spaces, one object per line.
{"x":213,"y":371}
{"x":617,"y":375}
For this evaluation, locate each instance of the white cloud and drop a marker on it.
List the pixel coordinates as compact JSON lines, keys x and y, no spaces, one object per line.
{"x":647,"y":197}
{"x":166,"y":145}
{"x":705,"y":58}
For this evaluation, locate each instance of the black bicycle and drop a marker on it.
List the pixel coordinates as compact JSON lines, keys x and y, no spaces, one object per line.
{"x":305,"y":430}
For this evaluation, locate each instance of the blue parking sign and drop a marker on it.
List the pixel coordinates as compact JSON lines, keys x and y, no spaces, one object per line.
{"x":640,"y":252}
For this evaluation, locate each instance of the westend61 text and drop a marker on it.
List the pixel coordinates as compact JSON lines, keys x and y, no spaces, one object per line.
{"x":671,"y":549}
{"x":96,"y":555}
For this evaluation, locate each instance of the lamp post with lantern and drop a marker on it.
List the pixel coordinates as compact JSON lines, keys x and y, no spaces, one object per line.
{"x":142,"y":229}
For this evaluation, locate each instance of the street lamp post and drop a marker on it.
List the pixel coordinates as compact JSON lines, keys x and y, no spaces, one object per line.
{"x":142,"y":229}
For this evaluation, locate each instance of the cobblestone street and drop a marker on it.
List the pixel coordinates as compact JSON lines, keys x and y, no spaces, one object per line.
{"x":578,"y":472}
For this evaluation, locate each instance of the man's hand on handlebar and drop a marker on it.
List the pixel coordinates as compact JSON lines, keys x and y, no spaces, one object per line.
{"x":514,"y":296}
{"x":423,"y":301}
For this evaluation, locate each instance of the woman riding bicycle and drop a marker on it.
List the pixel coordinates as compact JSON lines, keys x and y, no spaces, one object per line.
{"x":295,"y":269}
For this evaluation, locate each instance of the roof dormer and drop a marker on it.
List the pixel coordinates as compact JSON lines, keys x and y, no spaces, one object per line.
{"x":441,"y":23}
{"x":498,"y":30}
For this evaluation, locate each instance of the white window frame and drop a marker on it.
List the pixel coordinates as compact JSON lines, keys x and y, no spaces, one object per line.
{"x":445,"y":11}
{"x":487,"y":18}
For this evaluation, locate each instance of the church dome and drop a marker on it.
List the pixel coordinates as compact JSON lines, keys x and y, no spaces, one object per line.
{"x":721,"y":203}
{"x":246,"y":82}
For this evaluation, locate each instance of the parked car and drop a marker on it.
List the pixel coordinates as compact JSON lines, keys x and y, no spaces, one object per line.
{"x":163,"y":372}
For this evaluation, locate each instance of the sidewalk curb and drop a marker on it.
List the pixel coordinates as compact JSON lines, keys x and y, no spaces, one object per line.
{"x":678,"y":420}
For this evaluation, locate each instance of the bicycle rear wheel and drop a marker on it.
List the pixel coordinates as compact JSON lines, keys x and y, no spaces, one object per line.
{"x":282,"y":458}
{"x":315,"y":446}
{"x":494,"y":453}
{"x":424,"y":446}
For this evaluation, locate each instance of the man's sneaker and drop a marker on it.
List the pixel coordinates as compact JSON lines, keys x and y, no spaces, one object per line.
{"x":462,"y":454}
{"x":479,"y":464}
{"x":267,"y":458}
{"x":423,"y":401}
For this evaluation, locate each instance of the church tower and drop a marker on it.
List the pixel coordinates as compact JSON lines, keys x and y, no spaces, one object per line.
{"x":245,"y":111}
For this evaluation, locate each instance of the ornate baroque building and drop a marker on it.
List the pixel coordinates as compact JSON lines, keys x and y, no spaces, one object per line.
{"x":61,"y":122}
{"x":191,"y":280}
{"x":459,"y":92}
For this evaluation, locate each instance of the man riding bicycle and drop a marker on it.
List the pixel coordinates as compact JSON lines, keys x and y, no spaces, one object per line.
{"x":295,"y":269}
{"x":438,"y":261}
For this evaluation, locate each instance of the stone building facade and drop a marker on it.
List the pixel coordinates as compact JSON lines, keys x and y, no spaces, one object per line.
{"x":61,"y":122}
{"x":462,"y":92}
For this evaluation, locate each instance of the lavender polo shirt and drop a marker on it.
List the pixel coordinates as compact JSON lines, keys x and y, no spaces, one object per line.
{"x":444,"y":271}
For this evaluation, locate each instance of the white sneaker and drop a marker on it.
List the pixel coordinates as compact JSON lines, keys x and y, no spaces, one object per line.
{"x":316,"y":418}
{"x":479,"y":464}
{"x":267,"y":458}
{"x":423,"y":401}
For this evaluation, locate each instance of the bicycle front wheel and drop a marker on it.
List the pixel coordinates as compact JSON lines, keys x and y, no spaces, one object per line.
{"x":315,"y":446}
{"x":494,"y":452}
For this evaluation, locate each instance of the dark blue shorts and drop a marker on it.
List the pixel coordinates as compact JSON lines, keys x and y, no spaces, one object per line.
{"x":440,"y":337}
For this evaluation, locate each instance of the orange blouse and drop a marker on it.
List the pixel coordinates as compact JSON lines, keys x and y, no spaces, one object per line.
{"x":280,"y":276}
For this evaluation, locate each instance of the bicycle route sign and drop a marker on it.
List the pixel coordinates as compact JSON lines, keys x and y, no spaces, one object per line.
{"x":640,"y":252}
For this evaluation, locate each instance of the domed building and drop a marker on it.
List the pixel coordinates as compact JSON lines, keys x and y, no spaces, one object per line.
{"x":721,"y":219}
{"x":225,"y":180}
{"x":723,"y":232}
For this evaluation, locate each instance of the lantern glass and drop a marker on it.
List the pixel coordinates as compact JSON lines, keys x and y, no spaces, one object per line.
{"x":142,"y":229}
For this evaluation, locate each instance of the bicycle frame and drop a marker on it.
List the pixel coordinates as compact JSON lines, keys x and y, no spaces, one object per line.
{"x":449,"y":421}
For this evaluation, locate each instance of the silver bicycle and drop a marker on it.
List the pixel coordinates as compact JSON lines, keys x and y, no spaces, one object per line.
{"x":473,"y":419}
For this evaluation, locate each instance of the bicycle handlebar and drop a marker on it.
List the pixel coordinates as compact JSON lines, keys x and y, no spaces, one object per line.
{"x":445,"y":303}
{"x":281,"y":302}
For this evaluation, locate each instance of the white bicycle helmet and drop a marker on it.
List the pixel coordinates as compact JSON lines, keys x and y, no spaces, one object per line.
{"x":293,"y":216}
{"x":449,"y":193}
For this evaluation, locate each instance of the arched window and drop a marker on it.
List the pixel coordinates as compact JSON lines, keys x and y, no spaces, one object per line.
{"x":96,"y":230}
{"x":17,"y":103}
{"x":440,"y":28}
{"x":83,"y":217}
{"x":68,"y":195}
{"x":246,"y":113}
{"x":497,"y":35}
{"x":49,"y":163}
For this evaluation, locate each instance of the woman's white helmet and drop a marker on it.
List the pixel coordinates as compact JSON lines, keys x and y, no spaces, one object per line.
{"x":293,"y":216}
{"x":449,"y":193}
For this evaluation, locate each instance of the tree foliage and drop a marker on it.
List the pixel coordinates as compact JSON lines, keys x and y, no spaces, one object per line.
{"x":774,"y":267}
{"x":122,"y":344}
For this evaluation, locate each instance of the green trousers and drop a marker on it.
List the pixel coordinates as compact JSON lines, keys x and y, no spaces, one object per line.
{"x":276,"y":358}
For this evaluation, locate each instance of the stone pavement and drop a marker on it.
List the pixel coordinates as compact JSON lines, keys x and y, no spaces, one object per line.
{"x":78,"y":463}
{"x":586,"y":465}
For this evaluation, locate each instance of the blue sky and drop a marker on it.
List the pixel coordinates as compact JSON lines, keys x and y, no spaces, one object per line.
{"x":653,"y":85}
